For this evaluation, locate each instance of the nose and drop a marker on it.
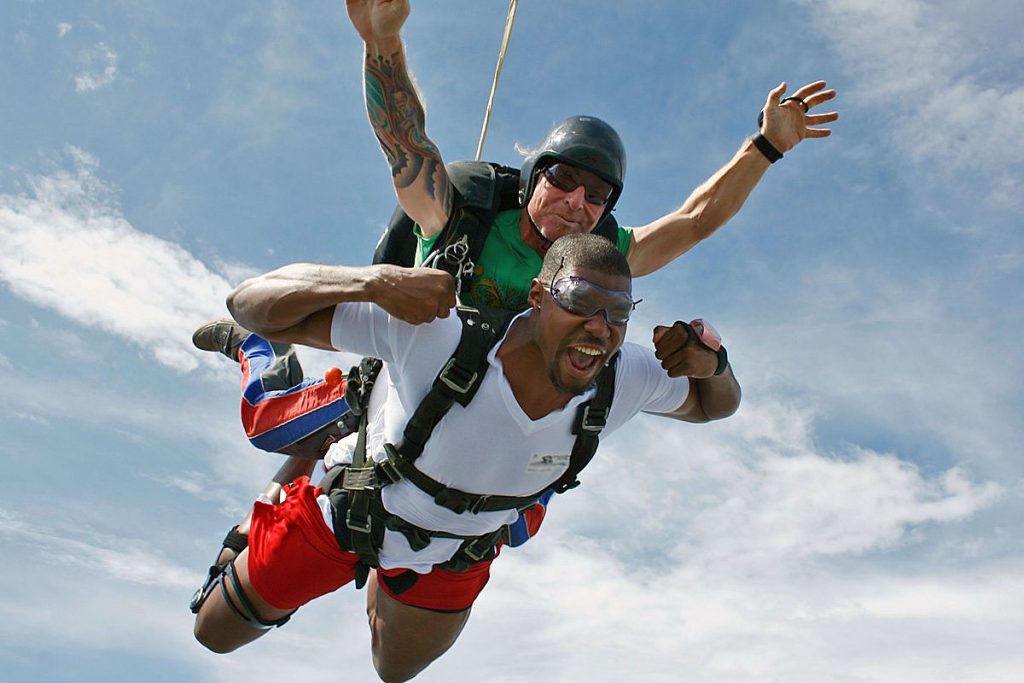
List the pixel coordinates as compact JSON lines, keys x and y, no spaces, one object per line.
{"x":597,"y":325}
{"x":577,"y":197}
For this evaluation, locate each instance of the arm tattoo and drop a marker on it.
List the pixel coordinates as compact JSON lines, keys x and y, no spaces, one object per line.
{"x":399,"y":123}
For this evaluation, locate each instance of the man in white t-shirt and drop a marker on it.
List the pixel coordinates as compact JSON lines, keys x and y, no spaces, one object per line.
{"x":511,"y":440}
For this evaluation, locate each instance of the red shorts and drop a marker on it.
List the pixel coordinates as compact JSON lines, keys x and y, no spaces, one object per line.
{"x":294,"y":558}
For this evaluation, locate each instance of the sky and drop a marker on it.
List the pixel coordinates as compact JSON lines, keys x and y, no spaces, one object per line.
{"x":859,"y":518}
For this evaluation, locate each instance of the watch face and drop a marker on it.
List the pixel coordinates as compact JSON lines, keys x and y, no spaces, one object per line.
{"x":707,"y":334}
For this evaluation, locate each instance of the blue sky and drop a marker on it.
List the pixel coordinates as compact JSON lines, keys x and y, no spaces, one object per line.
{"x":858,"y":519}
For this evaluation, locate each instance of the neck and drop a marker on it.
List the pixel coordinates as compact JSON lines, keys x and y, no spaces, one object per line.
{"x":531,"y":234}
{"x":526,"y":371}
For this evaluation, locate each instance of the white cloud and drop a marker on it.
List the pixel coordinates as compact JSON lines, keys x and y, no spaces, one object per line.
{"x":30,"y":417}
{"x":100,"y":69}
{"x":63,"y":28}
{"x":755,"y":493}
{"x":919,"y":66}
{"x":121,"y":559}
{"x":69,"y":248}
{"x":578,"y":608}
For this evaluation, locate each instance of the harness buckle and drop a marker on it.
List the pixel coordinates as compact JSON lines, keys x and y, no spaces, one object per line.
{"x":355,"y":525}
{"x":469,"y":550}
{"x":593,"y":420}
{"x":390,"y":470}
{"x":562,"y":488}
{"x":359,"y":478}
{"x":453,"y":383}
{"x":479,"y":504}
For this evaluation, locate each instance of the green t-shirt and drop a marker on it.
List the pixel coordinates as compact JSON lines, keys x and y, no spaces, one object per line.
{"x":506,"y":265}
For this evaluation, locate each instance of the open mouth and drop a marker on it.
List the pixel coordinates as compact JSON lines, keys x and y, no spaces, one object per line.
{"x":584,"y":359}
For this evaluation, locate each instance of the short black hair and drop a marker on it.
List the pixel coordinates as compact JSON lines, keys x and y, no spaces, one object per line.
{"x":587,"y":250}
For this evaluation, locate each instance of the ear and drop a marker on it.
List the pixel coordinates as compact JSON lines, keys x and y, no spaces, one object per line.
{"x":536,"y":293}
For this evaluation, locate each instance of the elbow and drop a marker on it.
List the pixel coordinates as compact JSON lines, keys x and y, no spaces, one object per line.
{"x":723,"y":409}
{"x":720,"y":413}
{"x":723,"y":404}
{"x":247,"y":310}
{"x":238,"y":306}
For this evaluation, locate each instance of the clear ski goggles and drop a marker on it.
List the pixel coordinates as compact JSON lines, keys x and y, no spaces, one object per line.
{"x":585,"y":299}
{"x":567,"y":178}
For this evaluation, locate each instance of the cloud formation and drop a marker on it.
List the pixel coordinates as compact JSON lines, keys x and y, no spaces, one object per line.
{"x":920,"y":68}
{"x":99,"y":64}
{"x":69,"y":248}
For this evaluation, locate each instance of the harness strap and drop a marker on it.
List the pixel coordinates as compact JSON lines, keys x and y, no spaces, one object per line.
{"x":364,"y":515}
{"x":591,"y":418}
{"x":457,"y":382}
{"x":397,"y":467}
{"x":359,"y":481}
{"x":245,"y":611}
{"x":370,"y":536}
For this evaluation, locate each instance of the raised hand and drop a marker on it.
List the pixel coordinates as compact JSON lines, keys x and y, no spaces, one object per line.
{"x":787,"y":120}
{"x":682,"y":354}
{"x":377,"y":20}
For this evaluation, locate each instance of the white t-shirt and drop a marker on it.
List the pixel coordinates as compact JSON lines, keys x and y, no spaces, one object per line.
{"x":489,"y":447}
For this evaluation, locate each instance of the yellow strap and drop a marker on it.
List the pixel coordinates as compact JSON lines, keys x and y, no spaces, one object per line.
{"x":509,"y":21}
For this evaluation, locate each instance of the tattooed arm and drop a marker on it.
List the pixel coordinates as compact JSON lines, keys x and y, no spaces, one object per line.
{"x":397,"y":116}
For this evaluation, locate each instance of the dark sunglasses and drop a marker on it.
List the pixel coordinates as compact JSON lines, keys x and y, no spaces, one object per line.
{"x":567,"y":178}
{"x":585,"y":299}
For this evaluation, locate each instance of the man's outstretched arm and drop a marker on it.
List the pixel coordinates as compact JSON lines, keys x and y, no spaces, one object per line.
{"x":711,"y":396}
{"x":397,"y":115}
{"x":718,"y":199}
{"x":295,"y":304}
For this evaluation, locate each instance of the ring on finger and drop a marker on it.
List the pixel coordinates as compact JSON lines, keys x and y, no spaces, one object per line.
{"x":795,"y":99}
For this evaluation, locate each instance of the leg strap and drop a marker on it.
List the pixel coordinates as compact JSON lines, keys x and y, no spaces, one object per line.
{"x":235,"y":540}
{"x":245,"y":611}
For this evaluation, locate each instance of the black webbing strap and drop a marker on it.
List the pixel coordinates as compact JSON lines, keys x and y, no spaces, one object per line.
{"x":457,"y":382}
{"x":397,"y":468}
{"x":591,"y":418}
{"x":359,"y":481}
{"x":473,"y":549}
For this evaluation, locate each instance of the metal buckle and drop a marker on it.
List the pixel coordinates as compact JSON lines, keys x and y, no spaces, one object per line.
{"x":451,"y":383}
{"x":469,"y":552}
{"x":359,"y":478}
{"x":390,"y":470}
{"x":365,"y":529}
{"x":600,"y":419}
{"x":478,"y":505}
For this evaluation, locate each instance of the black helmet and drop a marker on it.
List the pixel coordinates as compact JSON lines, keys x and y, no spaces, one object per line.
{"x":585,"y":142}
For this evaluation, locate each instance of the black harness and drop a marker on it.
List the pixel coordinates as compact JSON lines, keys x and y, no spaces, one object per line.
{"x":481,"y":190}
{"x":354,"y":490}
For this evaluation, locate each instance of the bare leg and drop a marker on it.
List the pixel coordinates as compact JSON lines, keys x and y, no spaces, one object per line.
{"x":217,"y":626}
{"x":404,"y":639}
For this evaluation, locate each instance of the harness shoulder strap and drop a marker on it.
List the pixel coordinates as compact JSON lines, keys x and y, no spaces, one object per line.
{"x":459,"y":379}
{"x":591,"y":418}
{"x":478,"y":191}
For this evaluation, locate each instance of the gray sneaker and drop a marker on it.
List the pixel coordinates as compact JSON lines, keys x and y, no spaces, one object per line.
{"x":220,"y":335}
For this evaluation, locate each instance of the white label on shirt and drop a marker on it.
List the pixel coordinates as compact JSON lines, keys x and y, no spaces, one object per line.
{"x":548,"y":462}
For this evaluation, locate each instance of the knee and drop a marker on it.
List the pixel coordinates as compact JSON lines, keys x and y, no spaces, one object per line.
{"x":392,"y":672}
{"x":212,"y":638}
